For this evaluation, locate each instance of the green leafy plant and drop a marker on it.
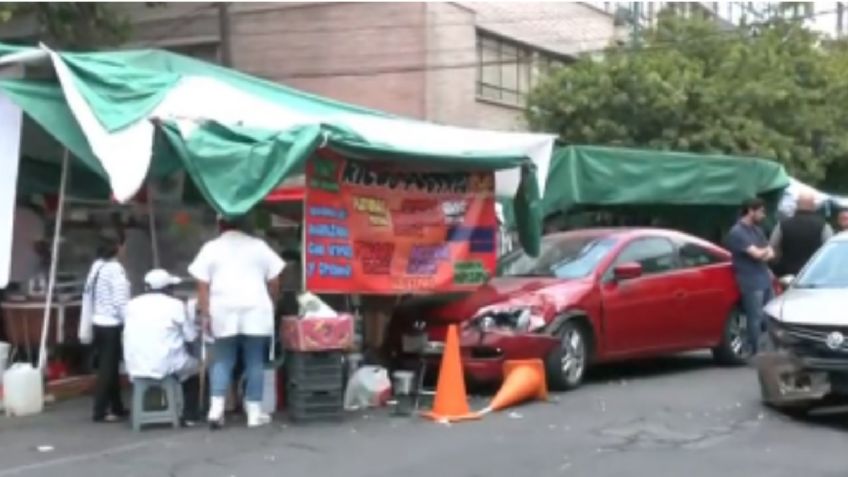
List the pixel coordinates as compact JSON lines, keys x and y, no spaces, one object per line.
{"x":72,"y":25}
{"x":774,"y":90}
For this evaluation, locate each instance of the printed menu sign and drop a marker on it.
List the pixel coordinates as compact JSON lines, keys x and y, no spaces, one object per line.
{"x":372,"y":229}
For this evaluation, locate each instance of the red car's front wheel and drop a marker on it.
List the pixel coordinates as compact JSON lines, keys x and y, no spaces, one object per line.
{"x":566,"y":364}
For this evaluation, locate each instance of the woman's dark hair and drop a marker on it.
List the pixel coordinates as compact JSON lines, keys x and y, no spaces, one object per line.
{"x":108,"y":245}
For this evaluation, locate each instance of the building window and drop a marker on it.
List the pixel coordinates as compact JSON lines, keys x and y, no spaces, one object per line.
{"x":506,"y":71}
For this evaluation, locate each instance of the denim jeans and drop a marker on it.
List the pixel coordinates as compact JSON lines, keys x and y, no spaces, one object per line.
{"x":753,"y":303}
{"x":253,"y":352}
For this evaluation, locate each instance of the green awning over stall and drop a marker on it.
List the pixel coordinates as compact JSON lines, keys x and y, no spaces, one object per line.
{"x":699,"y":193}
{"x":592,"y":175}
{"x":129,"y":114}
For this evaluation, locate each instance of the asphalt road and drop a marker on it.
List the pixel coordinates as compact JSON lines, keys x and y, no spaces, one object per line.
{"x":674,"y":417}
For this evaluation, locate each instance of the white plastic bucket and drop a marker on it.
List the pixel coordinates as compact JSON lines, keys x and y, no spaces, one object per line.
{"x":23,"y":390}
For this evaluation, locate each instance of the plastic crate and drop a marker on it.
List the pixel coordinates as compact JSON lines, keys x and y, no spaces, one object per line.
{"x":301,"y":364}
{"x":314,"y":406}
{"x":323,"y":380}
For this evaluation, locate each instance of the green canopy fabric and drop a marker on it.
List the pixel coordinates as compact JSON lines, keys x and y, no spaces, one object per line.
{"x":214,"y":154}
{"x":45,"y":105}
{"x":697,"y":193}
{"x":130,"y":114}
{"x":591,"y":175}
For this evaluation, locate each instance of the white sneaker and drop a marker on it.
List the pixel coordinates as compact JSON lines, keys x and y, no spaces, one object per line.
{"x":255,"y":416}
{"x":216,"y":412}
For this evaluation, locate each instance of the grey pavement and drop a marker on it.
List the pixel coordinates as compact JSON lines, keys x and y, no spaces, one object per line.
{"x":679,"y":416}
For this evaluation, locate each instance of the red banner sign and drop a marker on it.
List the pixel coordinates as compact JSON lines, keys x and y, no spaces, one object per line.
{"x":375,"y":230}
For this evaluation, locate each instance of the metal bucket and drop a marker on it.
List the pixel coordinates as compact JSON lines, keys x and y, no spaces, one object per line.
{"x":403,"y":382}
{"x":403,"y":390}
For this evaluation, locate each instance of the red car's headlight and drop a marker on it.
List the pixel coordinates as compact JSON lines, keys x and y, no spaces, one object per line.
{"x":513,"y":319}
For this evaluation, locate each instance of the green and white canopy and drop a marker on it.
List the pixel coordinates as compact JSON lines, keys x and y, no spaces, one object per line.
{"x":112,"y":97}
{"x":127,"y":114}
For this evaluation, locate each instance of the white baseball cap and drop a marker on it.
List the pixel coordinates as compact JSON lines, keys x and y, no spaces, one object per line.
{"x":158,"y":279}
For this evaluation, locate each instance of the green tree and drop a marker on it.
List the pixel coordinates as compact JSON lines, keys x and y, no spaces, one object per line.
{"x":774,"y":90}
{"x":71,"y":25}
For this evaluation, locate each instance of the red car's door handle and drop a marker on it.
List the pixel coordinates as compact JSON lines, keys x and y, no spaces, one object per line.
{"x":680,"y":295}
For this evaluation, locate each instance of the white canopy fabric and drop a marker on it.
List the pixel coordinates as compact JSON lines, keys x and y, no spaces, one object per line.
{"x":125,"y":154}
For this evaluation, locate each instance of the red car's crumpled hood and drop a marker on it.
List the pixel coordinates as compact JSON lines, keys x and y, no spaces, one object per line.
{"x":551,"y":291}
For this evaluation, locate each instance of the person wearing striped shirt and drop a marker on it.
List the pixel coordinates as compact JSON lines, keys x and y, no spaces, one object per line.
{"x":110,"y":290}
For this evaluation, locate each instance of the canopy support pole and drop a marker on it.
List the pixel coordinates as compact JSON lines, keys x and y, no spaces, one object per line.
{"x":151,"y":219}
{"x":54,"y":262}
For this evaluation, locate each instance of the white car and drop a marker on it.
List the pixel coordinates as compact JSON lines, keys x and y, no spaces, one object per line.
{"x":808,"y":328}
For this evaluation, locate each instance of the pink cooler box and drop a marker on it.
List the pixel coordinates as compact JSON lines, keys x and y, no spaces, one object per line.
{"x":317,"y":334}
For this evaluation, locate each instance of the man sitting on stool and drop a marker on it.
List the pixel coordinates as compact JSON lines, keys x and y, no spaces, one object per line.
{"x":157,"y":332}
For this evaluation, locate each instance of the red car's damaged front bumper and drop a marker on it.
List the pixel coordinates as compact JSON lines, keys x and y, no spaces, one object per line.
{"x":484,"y":353}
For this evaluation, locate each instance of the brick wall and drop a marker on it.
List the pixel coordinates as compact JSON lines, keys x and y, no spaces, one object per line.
{"x":411,"y":59}
{"x":370,"y":54}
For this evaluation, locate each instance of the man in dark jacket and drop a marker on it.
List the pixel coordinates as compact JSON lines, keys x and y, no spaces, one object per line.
{"x":796,"y":239}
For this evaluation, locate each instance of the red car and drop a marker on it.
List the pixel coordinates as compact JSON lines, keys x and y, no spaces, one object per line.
{"x":592,"y":296}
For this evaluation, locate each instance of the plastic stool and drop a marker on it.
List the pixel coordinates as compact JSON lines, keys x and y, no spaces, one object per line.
{"x":174,"y":402}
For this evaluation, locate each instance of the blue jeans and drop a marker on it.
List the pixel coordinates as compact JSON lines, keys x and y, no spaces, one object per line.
{"x":253,"y":352}
{"x":753,"y":303}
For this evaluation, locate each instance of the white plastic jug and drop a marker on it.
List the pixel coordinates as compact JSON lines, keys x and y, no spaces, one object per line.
{"x":23,"y":390}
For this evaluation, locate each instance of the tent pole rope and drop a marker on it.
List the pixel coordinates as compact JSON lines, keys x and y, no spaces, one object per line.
{"x":54,"y":262}
{"x":151,"y":219}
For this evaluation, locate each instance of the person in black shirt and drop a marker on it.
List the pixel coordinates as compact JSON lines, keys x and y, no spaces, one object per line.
{"x":796,"y":239}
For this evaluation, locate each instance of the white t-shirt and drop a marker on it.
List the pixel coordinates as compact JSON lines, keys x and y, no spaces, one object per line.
{"x":237,"y":268}
{"x":156,"y":331}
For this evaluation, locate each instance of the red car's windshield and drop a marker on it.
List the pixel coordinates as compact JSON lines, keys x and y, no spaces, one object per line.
{"x":560,"y":257}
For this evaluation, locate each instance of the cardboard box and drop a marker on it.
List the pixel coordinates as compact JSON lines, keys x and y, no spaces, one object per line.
{"x":317,"y":334}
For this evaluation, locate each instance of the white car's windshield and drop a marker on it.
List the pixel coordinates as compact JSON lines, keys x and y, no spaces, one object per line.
{"x":566,"y":258}
{"x":827,"y":269}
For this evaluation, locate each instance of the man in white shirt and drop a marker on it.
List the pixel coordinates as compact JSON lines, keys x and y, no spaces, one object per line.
{"x":157,"y":331}
{"x":238,"y":283}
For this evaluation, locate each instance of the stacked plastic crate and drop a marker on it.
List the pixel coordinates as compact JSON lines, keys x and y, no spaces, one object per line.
{"x":315,"y":387}
{"x":315,"y":366}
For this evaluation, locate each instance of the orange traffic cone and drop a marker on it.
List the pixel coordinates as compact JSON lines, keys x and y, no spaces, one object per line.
{"x":523,"y":380}
{"x":451,"y":403}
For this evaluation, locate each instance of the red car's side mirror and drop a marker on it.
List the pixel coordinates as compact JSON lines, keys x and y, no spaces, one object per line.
{"x":627,"y":271}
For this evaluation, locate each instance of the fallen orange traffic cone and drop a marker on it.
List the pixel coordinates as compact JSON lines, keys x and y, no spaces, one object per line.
{"x":523,"y":380}
{"x":451,"y":403}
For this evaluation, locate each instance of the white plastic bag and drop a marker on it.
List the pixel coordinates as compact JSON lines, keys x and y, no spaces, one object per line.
{"x":312,"y":307}
{"x":368,"y":387}
{"x":269,"y":382}
{"x":269,"y":391}
{"x":86,"y":322}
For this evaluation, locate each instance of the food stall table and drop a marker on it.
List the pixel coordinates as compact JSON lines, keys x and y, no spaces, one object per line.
{"x":23,"y":321}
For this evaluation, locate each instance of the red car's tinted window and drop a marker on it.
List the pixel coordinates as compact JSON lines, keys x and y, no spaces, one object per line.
{"x":561,"y":257}
{"x":693,"y":255}
{"x":656,"y":255}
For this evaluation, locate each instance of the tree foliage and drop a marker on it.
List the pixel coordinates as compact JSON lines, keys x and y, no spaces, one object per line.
{"x":776,"y":91}
{"x":71,"y":25}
